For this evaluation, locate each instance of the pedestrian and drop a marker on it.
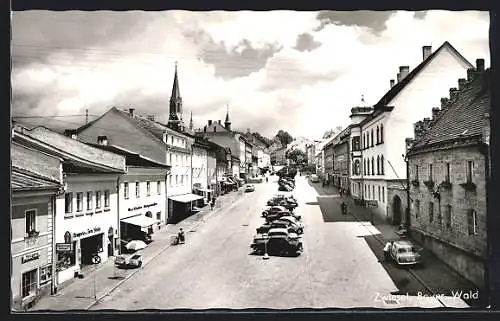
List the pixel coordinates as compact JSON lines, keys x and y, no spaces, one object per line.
{"x":212,"y":203}
{"x":387,"y":249}
{"x":343,"y":208}
{"x":267,"y":179}
{"x":180,"y":236}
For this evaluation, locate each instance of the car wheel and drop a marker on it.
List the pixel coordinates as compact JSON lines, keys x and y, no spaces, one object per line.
{"x":140,"y":264}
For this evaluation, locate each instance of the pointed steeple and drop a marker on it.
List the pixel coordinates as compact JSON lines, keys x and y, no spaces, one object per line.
{"x":175,"y":112}
{"x":227,"y":122}
{"x":191,"y":121}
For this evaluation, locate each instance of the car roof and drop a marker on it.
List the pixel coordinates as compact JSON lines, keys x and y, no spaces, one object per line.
{"x":403,"y":244}
{"x":278,"y":230}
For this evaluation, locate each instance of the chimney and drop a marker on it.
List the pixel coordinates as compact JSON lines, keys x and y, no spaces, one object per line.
{"x":209,"y":122}
{"x":426,"y":51}
{"x":151,"y":117}
{"x":418,"y":129}
{"x":453,"y":93}
{"x":435,"y":112}
{"x":444,"y":102}
{"x":219,"y":121}
{"x":392,"y":83}
{"x":102,"y":140}
{"x":404,"y":71}
{"x":131,"y":112}
{"x":470,"y":74}
{"x":427,"y":122}
{"x":461,"y":83}
{"x":479,"y":65}
{"x":205,"y":129}
{"x":398,"y":77}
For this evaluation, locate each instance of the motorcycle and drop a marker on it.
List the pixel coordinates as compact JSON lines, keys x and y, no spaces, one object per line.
{"x":178,"y":239}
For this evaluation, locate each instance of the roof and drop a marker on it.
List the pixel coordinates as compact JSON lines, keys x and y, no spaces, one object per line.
{"x":131,"y":158}
{"x":464,"y":117}
{"x":397,"y":88}
{"x":218,"y":127}
{"x":25,"y":180}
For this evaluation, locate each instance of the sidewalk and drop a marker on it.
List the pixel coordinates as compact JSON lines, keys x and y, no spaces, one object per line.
{"x":436,"y":276}
{"x":78,"y":294}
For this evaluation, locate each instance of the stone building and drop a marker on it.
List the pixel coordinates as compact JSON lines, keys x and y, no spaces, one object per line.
{"x":449,"y":168}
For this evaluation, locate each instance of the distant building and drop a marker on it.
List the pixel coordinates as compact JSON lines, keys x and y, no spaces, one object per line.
{"x":278,"y":157}
{"x":449,"y":166}
{"x":341,"y":160}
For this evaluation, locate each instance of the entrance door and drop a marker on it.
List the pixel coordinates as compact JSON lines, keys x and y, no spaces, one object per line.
{"x":396,"y":210}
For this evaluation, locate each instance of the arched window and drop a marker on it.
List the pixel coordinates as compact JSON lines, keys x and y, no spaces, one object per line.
{"x":378,"y":163}
{"x":373,"y":166}
{"x":371,"y":140}
{"x":356,"y":167}
{"x":368,"y":166}
{"x":382,"y":164}
{"x":381,"y":133}
{"x":378,"y":135}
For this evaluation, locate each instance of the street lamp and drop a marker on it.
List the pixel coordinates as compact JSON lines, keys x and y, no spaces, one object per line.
{"x":266,"y":255}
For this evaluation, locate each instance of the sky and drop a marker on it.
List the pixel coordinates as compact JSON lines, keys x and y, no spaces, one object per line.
{"x":297,"y":71}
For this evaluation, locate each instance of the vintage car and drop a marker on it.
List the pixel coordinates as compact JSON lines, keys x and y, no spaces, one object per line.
{"x":279,"y":241}
{"x":133,"y":260}
{"x":275,"y":212}
{"x":287,"y":202}
{"x":291,"y":227}
{"x":403,"y":252}
{"x":285,"y":188}
{"x":286,"y":182}
{"x":249,"y":188}
{"x":274,"y":209}
{"x":314,"y":178}
{"x":293,"y":221}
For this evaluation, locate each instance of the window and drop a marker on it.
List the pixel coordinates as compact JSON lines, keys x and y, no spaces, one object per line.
{"x":371,"y":135}
{"x":447,"y":216}
{"x":125,"y":190}
{"x":170,"y":158}
{"x":98,"y":199}
{"x":472,"y":222}
{"x":29,"y":283}
{"x":137,"y":190}
{"x":182,"y":179}
{"x":440,"y":216}
{"x":383,"y":194}
{"x":378,"y":135}
{"x":373,"y":165}
{"x":363,"y":141}
{"x":373,"y":191}
{"x":364,"y":166}
{"x":368,"y":166}
{"x":79,"y":202}
{"x":470,"y":167}
{"x":416,"y":172}
{"x":431,"y":212}
{"x":158,"y":187}
{"x":148,"y":188}
{"x":378,"y":165}
{"x":30,"y":218}
{"x":355,"y":143}
{"x":171,"y":140}
{"x":447,"y":173}
{"x":149,"y":214}
{"x":430,"y":173}
{"x":45,"y":274}
{"x":68,"y":202}
{"x":89,"y":201}
{"x":158,"y":216}
{"x":416,"y":204}
{"x":365,"y":191}
{"x":170,"y":180}
{"x":176,"y":180}
{"x":357,"y":166}
{"x":379,"y":198}
{"x":106,"y":198}
{"x":382,"y":164}
{"x":176,"y":159}
{"x":381,"y":133}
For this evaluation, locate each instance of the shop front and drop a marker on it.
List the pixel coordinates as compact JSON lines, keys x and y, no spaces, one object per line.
{"x":181,"y":206}
{"x":137,"y":227}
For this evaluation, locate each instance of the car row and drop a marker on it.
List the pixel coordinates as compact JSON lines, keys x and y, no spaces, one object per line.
{"x":286,"y":184}
{"x":282,"y":230}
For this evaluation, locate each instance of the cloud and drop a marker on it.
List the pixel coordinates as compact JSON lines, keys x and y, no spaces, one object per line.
{"x":267,"y":66}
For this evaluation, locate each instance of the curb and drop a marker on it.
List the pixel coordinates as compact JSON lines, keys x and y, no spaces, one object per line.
{"x":190,"y":228}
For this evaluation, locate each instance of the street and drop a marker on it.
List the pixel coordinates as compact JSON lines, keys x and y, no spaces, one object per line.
{"x":215,"y":268}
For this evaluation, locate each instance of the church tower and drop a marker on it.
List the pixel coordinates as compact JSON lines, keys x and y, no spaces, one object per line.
{"x":175,"y":114}
{"x":227,"y":122}
{"x":191,"y":121}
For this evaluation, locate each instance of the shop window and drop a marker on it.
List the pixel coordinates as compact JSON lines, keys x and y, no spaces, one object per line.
{"x":98,"y":199}
{"x":29,"y":283}
{"x":30,"y":218}
{"x":158,"y":187}
{"x":148,"y":188}
{"x":137,"y":190}
{"x":89,"y":201}
{"x":66,"y":260}
{"x":472,"y":222}
{"x":45,"y":274}
{"x":68,"y":202}
{"x":106,"y":198}
{"x":125,"y":190}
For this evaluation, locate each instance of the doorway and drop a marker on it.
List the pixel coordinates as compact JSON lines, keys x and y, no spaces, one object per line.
{"x":396,"y":210}
{"x":90,"y":245}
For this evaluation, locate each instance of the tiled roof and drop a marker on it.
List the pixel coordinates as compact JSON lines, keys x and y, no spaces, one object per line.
{"x":396,"y":89}
{"x":131,"y":158}
{"x":153,"y":127}
{"x":463,"y":117}
{"x":24,"y":180}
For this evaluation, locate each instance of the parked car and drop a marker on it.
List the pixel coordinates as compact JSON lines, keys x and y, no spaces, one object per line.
{"x":293,"y":221}
{"x":131,"y":260}
{"x":249,"y":188}
{"x":285,"y":188}
{"x":403,"y":253}
{"x":279,"y":240}
{"x":274,"y":209}
{"x":314,"y":178}
{"x":275,"y":212}
{"x":291,"y":227}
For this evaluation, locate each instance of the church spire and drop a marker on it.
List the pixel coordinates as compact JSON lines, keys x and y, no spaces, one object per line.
{"x":191,"y":121}
{"x":227,"y":122}
{"x":175,"y":114}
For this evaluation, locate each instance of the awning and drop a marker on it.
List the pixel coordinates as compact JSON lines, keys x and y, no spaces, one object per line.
{"x":139,"y":220}
{"x":207,"y":190}
{"x":186,"y":198}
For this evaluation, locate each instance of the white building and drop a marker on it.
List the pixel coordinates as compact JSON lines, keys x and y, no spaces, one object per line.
{"x":382,"y":133}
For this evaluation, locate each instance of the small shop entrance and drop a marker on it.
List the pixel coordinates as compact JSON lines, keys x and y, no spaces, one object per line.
{"x":90,"y":245}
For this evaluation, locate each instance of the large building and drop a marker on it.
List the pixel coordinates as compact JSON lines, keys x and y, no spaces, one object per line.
{"x":383,"y":163}
{"x":449,"y":167}
{"x":341,"y":160}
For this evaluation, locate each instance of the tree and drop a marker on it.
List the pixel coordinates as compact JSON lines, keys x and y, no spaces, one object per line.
{"x":297,"y":156}
{"x":284,"y":137}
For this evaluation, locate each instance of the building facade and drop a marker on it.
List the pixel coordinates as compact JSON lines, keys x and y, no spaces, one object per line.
{"x":341,"y":161}
{"x":449,"y":168}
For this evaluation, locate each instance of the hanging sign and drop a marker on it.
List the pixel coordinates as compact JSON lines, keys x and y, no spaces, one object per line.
{"x":30,"y":257}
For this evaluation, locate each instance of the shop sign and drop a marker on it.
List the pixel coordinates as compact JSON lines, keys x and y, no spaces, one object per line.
{"x":30,"y":257}
{"x":141,"y":207}
{"x":63,"y":247}
{"x":89,"y":231}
